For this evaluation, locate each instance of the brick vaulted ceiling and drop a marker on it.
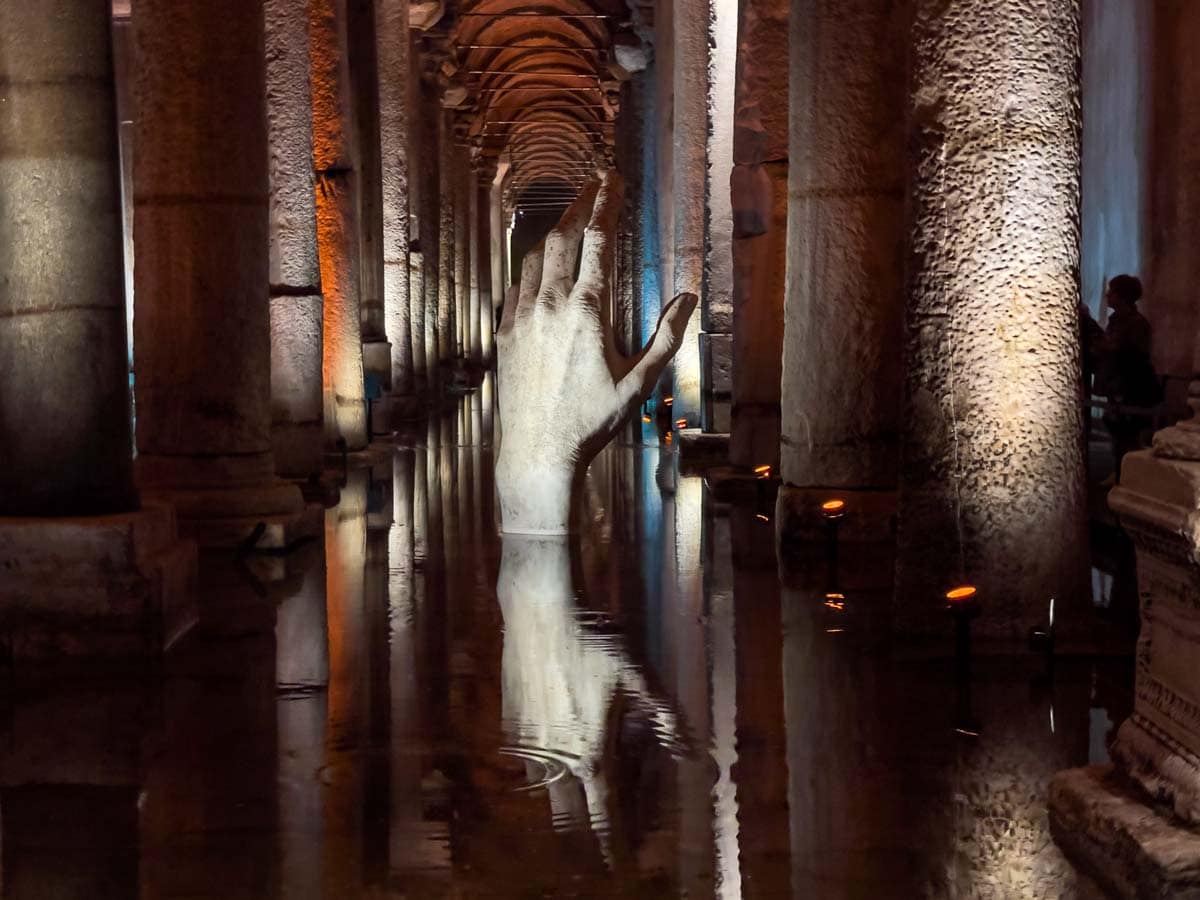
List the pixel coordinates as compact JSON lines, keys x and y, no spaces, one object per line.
{"x":535,"y":85}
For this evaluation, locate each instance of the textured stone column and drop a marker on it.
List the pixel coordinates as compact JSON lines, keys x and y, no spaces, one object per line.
{"x":689,"y":187}
{"x":202,"y":348}
{"x":487,"y":320}
{"x":111,"y":578}
{"x":297,"y":409}
{"x":462,"y":254}
{"x":716,"y":312}
{"x":364,"y":80}
{"x":474,"y":348}
{"x":336,"y":163}
{"x":416,"y":289}
{"x":758,"y":189}
{"x":64,"y":382}
{"x":992,"y":478}
{"x":391,"y":32}
{"x":429,"y":222}
{"x":446,"y":337}
{"x":496,"y":248}
{"x":841,"y":383}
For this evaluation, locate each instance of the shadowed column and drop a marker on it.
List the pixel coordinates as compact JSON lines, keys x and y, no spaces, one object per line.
{"x":446,"y":342}
{"x":297,"y":410}
{"x":64,"y":382}
{"x":336,"y":163}
{"x":201,"y":330}
{"x":992,"y":474}
{"x":844,"y":306}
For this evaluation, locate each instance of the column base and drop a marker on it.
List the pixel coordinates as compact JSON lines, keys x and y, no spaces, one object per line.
{"x":298,"y":448}
{"x":869,"y":518}
{"x":699,"y":450}
{"x":96,"y":586}
{"x":231,"y":517}
{"x":1109,"y":831}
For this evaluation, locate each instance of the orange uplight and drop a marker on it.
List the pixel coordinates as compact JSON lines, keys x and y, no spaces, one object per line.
{"x":834,"y":630}
{"x":959,"y":594}
{"x":681,"y":423}
{"x":833,"y":509}
{"x":764,"y":518}
{"x":762,"y":471}
{"x":668,"y":437}
{"x":668,"y":400}
{"x":647,"y":419}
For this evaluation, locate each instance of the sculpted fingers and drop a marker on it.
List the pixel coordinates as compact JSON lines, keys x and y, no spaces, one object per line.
{"x":637,"y":384}
{"x":531,"y":282}
{"x":562,"y":243}
{"x":599,"y":238}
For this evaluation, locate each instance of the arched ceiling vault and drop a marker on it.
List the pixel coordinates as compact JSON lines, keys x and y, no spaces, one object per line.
{"x":535,"y":83}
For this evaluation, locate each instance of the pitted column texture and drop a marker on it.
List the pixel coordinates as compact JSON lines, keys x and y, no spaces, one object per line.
{"x":992,"y":474}
{"x":689,"y":189}
{"x":841,"y":351}
{"x":758,"y":192}
{"x":64,"y":389}
{"x":391,"y":31}
{"x":295,"y":266}
{"x":428,"y":125}
{"x":335,"y":161}
{"x":201,"y":328}
{"x":462,"y":252}
{"x":446,"y":338}
{"x":474,"y":347}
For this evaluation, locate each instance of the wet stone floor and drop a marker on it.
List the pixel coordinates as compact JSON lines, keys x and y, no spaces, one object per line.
{"x":412,"y":707}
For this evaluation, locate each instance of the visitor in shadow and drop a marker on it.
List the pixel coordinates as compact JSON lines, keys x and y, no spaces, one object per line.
{"x":1125,"y":374}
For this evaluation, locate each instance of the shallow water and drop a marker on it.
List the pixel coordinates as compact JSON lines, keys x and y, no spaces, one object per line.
{"x":413,"y":707}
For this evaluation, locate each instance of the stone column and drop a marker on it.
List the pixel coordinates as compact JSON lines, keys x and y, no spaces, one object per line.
{"x":391,"y":18}
{"x":295,"y":265}
{"x":474,"y":348}
{"x":364,"y":81}
{"x":689,"y":187}
{"x":716,"y":311}
{"x":336,"y":162}
{"x":64,"y":372}
{"x":202,"y":345}
{"x":445,"y":237}
{"x":758,"y":190}
{"x":462,"y":253}
{"x":111,"y":578}
{"x":486,"y":320}
{"x":992,"y":478}
{"x":841,"y":382}
{"x":497,"y":251}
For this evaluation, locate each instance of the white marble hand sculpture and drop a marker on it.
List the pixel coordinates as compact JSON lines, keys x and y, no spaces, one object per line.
{"x":564,"y":387}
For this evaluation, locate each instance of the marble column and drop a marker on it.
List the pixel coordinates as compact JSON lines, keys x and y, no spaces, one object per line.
{"x":392,"y":40}
{"x":758,"y":190}
{"x":447,"y":269}
{"x":496,"y":249}
{"x":87,"y":568}
{"x":843,"y":311}
{"x":297,"y":406}
{"x":202,"y":345}
{"x":689,"y":187}
{"x":991,"y":483}
{"x":486,"y":319}
{"x":64,"y":370}
{"x":336,"y":162}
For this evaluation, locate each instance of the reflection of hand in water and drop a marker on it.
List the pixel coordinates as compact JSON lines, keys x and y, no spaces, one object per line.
{"x":564,"y":387}
{"x":560,"y":679}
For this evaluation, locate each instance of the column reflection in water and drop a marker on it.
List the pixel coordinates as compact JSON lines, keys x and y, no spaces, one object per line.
{"x":345,"y":562}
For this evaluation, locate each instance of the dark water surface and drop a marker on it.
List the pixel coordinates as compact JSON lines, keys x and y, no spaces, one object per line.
{"x":413,"y":707}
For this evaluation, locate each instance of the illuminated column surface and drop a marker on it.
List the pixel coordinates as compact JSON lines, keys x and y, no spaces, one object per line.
{"x":844,"y":305}
{"x":429,"y":222}
{"x":84,"y":568}
{"x":483,"y":239}
{"x":991,"y":484}
{"x":462,"y":253}
{"x":689,"y":127}
{"x":473,"y":328}
{"x":391,"y":33}
{"x":447,"y":269}
{"x":336,"y":162}
{"x":758,"y":192}
{"x":297,"y":410}
{"x":64,"y":382}
{"x":496,"y":250}
{"x":202,"y":347}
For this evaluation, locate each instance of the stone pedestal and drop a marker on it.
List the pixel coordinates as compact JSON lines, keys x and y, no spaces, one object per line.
{"x":112,"y":585}
{"x":1137,"y":826}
